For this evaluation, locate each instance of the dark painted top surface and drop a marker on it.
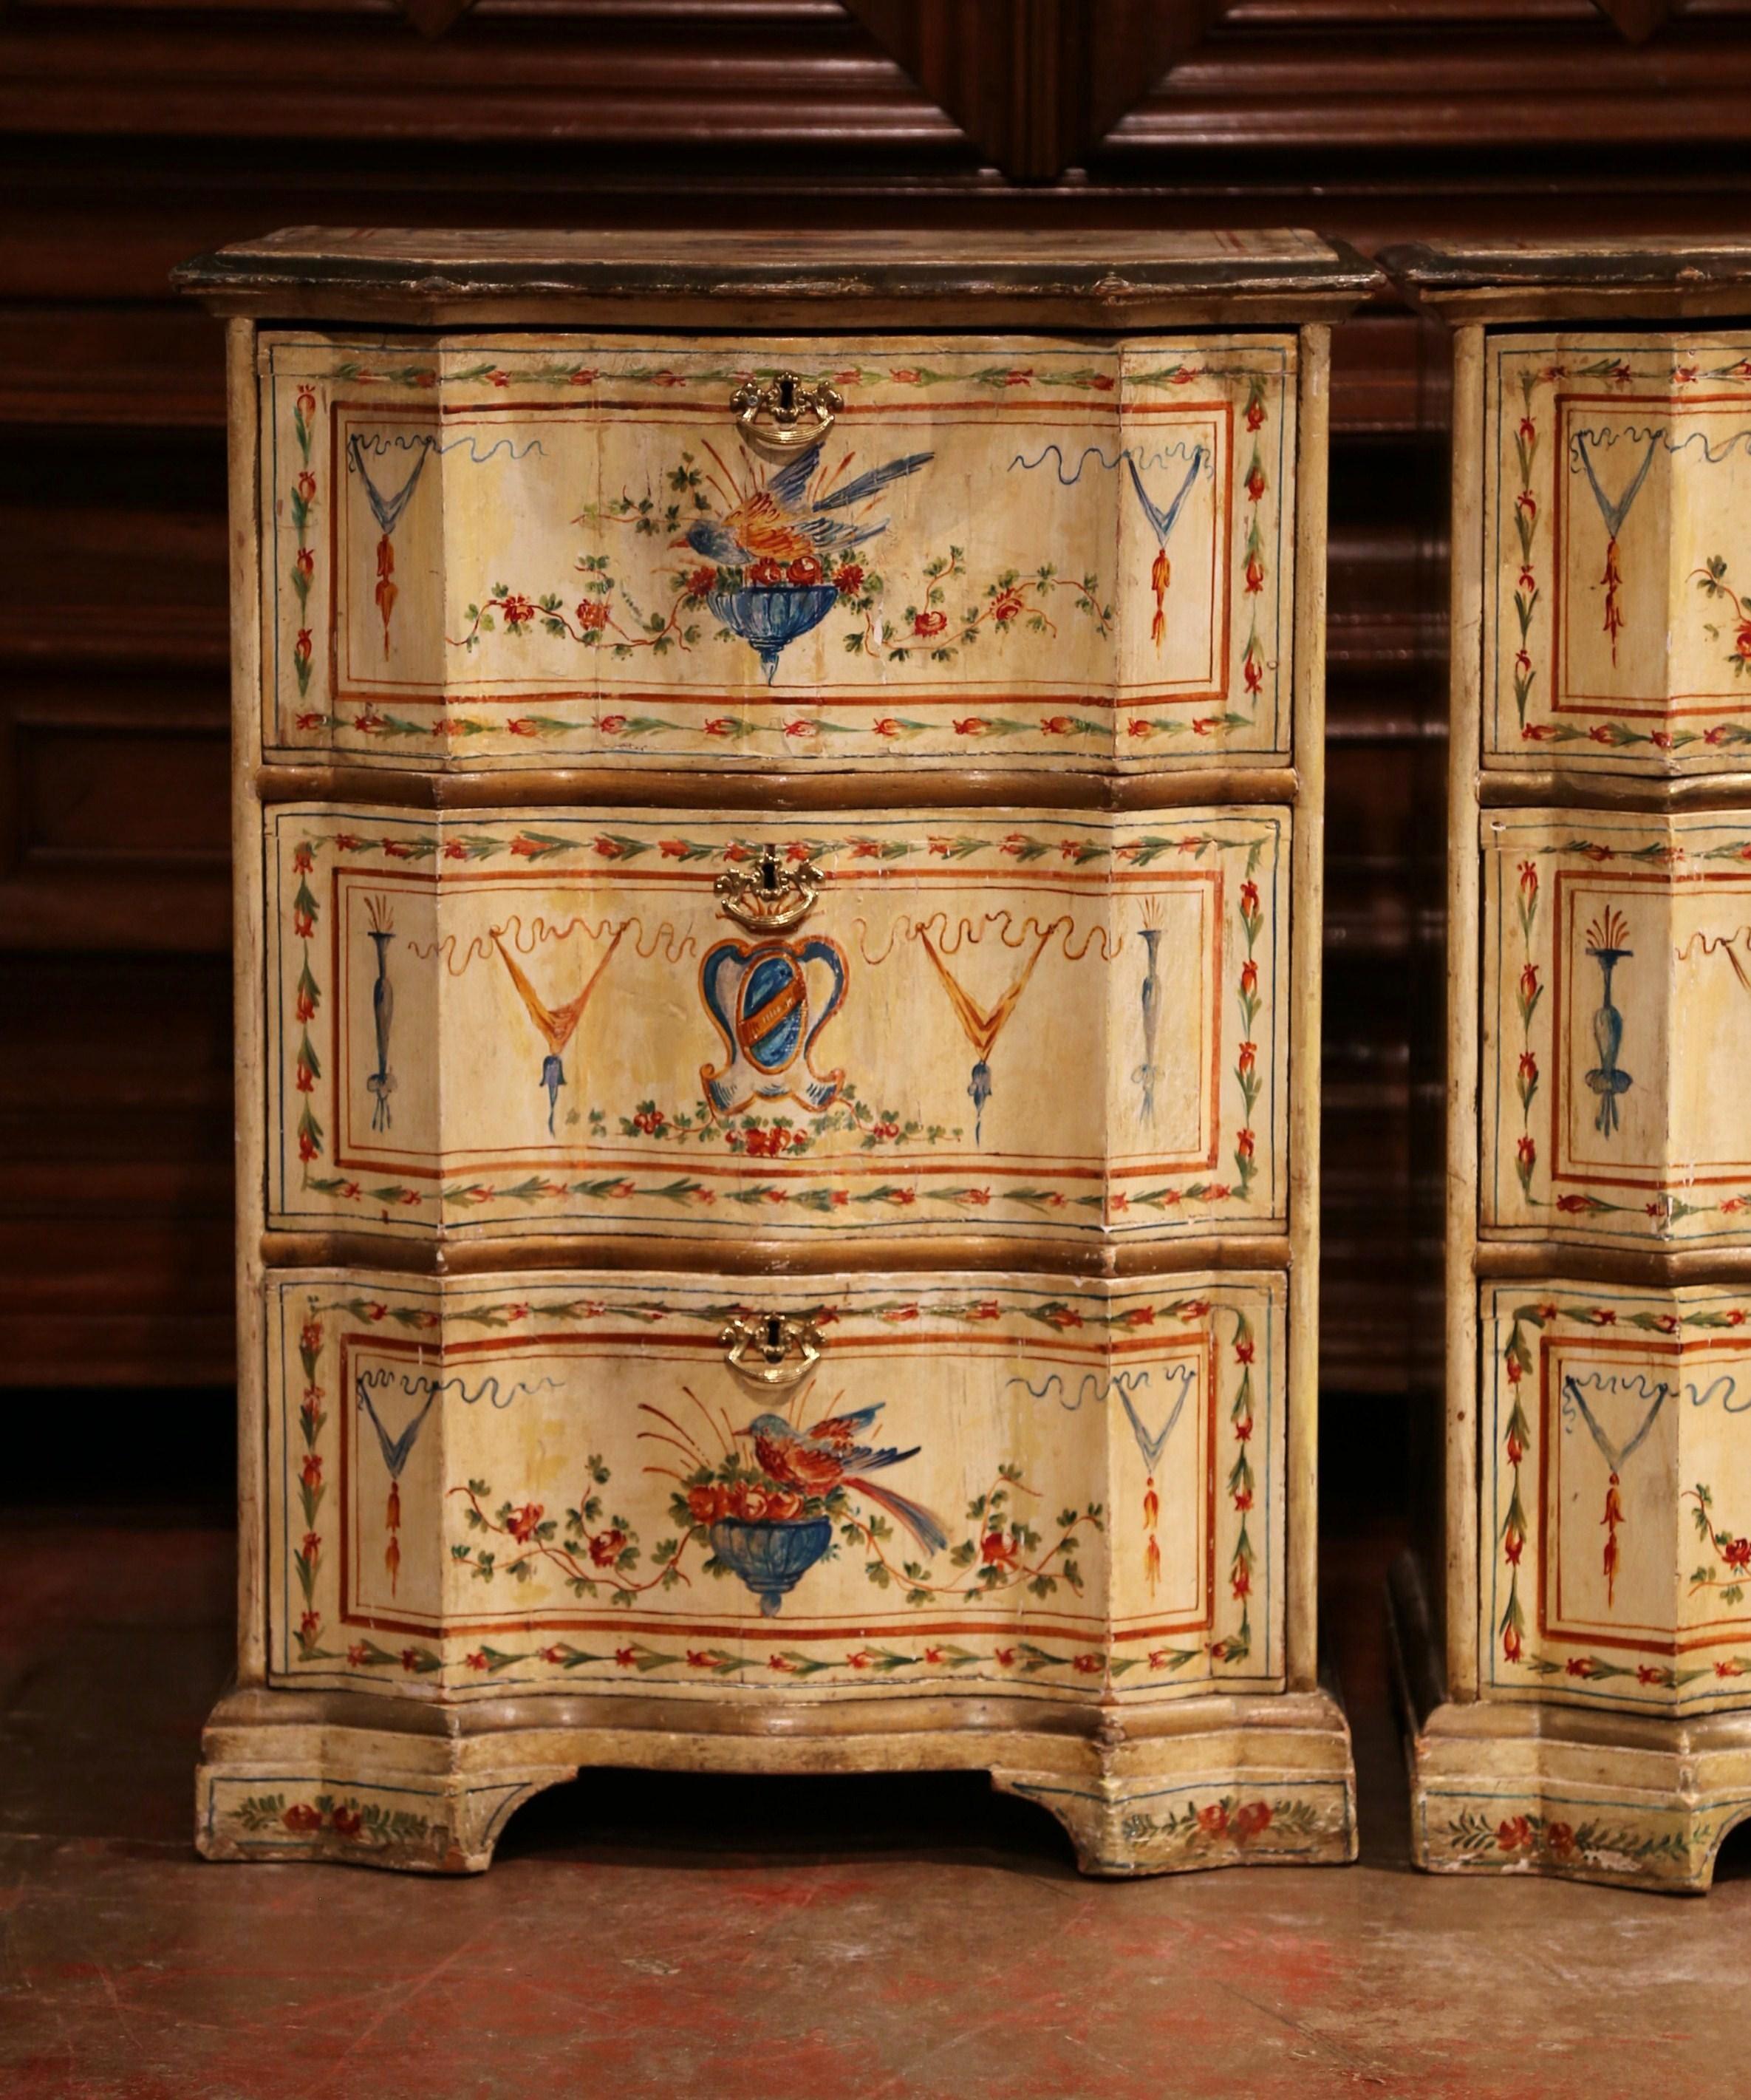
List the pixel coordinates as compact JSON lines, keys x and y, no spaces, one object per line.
{"x":1501,"y":280}
{"x":947,"y":278}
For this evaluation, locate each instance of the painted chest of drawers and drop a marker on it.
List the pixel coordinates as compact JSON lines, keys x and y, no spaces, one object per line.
{"x":1576,"y":1678}
{"x":778,"y":848}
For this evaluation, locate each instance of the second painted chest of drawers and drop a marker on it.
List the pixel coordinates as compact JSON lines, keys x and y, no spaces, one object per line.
{"x":778,"y":877}
{"x":1576,"y":1665}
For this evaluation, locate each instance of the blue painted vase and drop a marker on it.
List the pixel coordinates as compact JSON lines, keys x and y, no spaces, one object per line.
{"x":772,"y":1559}
{"x":769,"y":616}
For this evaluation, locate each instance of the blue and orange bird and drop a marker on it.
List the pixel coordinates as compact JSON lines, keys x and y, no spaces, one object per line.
{"x":787,"y":515}
{"x":831,"y":1454}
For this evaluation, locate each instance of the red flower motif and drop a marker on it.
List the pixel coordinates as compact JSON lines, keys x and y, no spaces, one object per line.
{"x":1255,"y":483}
{"x":1255,"y":415}
{"x":1514,"y":1834}
{"x":1006,"y":605}
{"x":477,"y":1659}
{"x":607,"y":1547}
{"x":765,"y":571}
{"x":1243,"y":1145}
{"x":1021,"y":376}
{"x":1213,"y":1820}
{"x":307,"y":402}
{"x":306,"y":486}
{"x":847,"y":578}
{"x":355,"y":1655}
{"x":720,"y":725}
{"x":1559,"y":1838}
{"x":592,"y":615}
{"x":1526,"y":1153}
{"x":1054,"y":725}
{"x":1087,"y":1665}
{"x":1255,"y":574}
{"x":611,"y":725}
{"x":302,"y":1818}
{"x":303,"y":647}
{"x":924,"y":624}
{"x":524,"y":1521}
{"x":701,"y":579}
{"x":804,"y":571}
{"x":1249,"y":977}
{"x":1252,"y":1819}
{"x":886,"y":726}
{"x":304,"y":560}
{"x":518,"y":609}
{"x":997,"y":1550}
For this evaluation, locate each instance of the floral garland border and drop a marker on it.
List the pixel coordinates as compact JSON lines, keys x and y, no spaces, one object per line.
{"x":799,"y":731}
{"x":1665,"y":1209}
{"x":1027,"y":1658}
{"x":614,"y":848}
{"x":1614,"y":733}
{"x":1516,"y":1360}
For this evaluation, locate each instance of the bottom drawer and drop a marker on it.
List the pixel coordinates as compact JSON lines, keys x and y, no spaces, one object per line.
{"x":643,"y":1481}
{"x":1615,"y":1542}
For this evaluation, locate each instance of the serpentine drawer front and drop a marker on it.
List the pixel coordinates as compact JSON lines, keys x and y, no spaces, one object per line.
{"x":968,"y":1486}
{"x":779,"y":811}
{"x":503,"y":550}
{"x":561,"y":1021}
{"x":1579,"y":1664}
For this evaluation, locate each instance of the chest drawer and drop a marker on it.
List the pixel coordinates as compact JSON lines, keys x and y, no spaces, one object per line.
{"x":1617,"y":1020}
{"x":502,"y":550}
{"x":1617,"y":606}
{"x":961,"y":1485}
{"x":1617,"y":1467}
{"x":532,"y":1021}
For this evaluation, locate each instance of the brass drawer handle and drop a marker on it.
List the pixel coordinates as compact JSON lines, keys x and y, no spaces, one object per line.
{"x":773,"y":1352}
{"x":771,"y":897}
{"x":786,"y":413}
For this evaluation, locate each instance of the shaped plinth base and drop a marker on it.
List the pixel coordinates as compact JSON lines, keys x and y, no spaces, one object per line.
{"x":356,"y":1776}
{"x":1527,"y":1787}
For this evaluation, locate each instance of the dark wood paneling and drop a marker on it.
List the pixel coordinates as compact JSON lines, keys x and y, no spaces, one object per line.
{"x":133,"y":134}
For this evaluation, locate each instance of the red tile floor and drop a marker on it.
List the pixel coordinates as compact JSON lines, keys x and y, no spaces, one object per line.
{"x":734,"y":1938}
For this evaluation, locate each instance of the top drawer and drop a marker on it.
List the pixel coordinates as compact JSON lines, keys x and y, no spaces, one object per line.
{"x":501,"y":550}
{"x":1616,"y":586}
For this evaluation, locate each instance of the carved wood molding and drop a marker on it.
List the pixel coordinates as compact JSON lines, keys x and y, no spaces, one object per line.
{"x":1636,"y":19}
{"x":1036,"y":83}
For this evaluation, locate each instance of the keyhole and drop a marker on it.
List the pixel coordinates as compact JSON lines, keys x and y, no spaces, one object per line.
{"x":786,"y":394}
{"x":774,"y":1335}
{"x":768,"y":869}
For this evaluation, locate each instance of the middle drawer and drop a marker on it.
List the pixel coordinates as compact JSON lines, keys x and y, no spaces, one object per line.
{"x":505,"y":1022}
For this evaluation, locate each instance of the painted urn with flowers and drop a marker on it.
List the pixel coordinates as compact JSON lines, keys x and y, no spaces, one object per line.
{"x":782,"y":552}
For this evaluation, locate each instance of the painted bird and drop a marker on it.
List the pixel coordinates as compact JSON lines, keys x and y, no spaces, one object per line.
{"x":816,"y":1461}
{"x":778,"y":520}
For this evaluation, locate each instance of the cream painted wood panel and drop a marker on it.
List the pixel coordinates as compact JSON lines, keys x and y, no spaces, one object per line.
{"x":540,"y":1020}
{"x":1618,"y":598}
{"x":1616,"y":1027}
{"x":1044,"y":1487}
{"x":496,"y":550}
{"x":1617,"y":1469}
